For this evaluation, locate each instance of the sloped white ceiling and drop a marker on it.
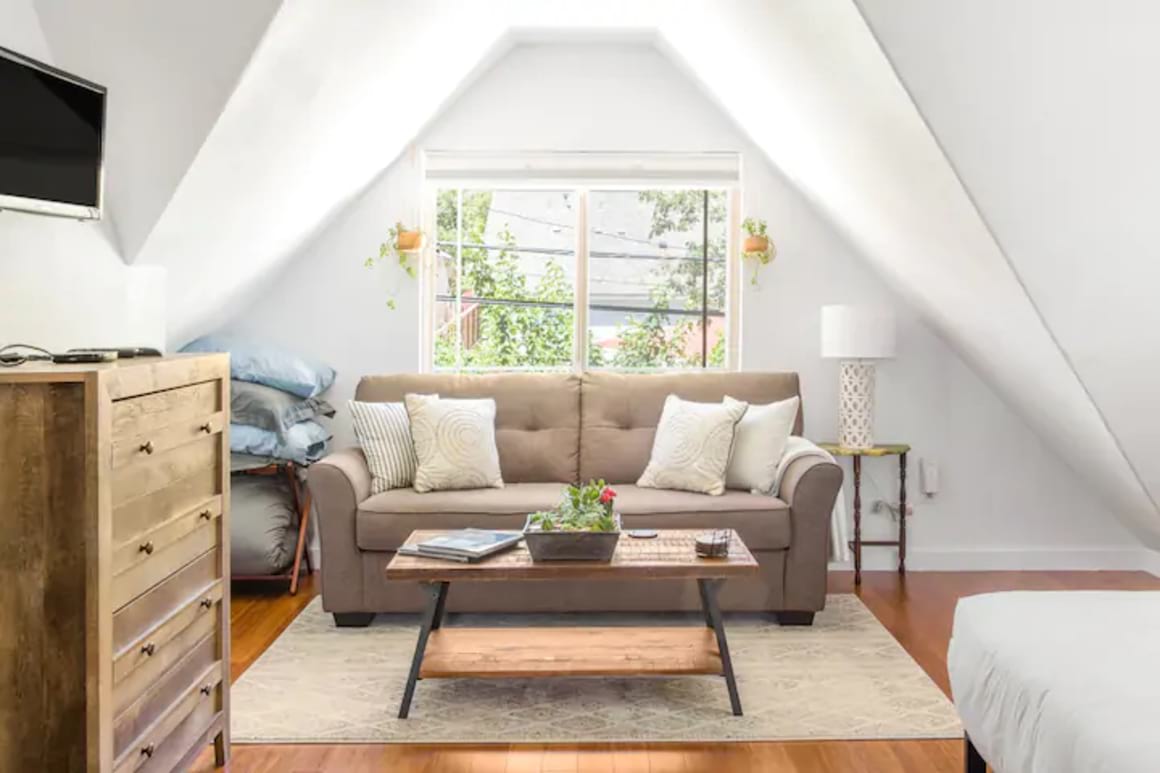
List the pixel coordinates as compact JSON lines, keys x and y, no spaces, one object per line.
{"x":170,"y":67}
{"x":330,"y":99}
{"x":1049,"y":110}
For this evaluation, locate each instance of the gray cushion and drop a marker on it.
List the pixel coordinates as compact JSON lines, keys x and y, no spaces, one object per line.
{"x":386,"y":520}
{"x":263,"y":524}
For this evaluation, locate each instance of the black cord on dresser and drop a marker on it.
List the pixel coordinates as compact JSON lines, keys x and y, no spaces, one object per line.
{"x":9,"y":357}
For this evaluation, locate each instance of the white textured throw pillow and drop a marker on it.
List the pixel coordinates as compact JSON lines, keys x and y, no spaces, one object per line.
{"x":692,"y":446}
{"x":384,"y":432}
{"x":454,"y":443}
{"x":761,"y":437}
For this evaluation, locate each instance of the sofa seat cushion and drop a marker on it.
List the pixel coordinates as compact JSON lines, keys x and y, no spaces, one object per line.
{"x":385,"y":520}
{"x":762,"y":522}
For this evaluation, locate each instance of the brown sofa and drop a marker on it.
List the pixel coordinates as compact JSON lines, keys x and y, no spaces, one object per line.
{"x":553,"y":429}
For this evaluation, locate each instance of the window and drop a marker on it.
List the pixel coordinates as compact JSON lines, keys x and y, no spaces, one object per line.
{"x":531,"y":275}
{"x":505,"y":282}
{"x":656,"y":278}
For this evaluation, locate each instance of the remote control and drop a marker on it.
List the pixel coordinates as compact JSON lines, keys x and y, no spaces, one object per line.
{"x":80,"y":356}
{"x":123,"y":351}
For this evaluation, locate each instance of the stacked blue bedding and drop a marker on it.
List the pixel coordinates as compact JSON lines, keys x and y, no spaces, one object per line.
{"x":274,"y":400}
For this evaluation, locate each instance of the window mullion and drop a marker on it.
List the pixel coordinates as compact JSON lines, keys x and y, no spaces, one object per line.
{"x":733,"y":281}
{"x":705,"y":280}
{"x":458,"y":278}
{"x":580,"y":295}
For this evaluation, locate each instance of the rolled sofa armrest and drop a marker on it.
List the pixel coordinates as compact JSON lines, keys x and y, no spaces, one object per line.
{"x":338,"y":484}
{"x":810,"y":487}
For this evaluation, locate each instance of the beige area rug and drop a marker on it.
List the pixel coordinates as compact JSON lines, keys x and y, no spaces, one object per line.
{"x":843,"y":678}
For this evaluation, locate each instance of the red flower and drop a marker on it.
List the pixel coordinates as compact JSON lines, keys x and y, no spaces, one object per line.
{"x":607,"y":495}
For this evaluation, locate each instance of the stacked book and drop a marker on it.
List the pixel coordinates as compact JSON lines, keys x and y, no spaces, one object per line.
{"x":465,"y":545}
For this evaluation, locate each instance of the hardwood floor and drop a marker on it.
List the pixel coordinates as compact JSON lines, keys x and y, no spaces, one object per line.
{"x":917,"y":610}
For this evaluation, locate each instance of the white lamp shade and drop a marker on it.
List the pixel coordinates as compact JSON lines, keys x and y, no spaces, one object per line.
{"x":857,"y":332}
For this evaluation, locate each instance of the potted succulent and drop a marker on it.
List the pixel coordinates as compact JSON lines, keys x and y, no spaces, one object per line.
{"x":757,"y":246}
{"x":403,"y":243}
{"x":583,"y":527}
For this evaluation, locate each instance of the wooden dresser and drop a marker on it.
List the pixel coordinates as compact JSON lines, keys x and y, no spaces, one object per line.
{"x":114,"y":565}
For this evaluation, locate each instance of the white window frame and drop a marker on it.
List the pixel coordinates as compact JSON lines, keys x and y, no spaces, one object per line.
{"x":580,"y":173}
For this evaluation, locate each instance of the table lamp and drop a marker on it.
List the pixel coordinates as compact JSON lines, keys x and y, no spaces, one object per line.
{"x":856,"y":335}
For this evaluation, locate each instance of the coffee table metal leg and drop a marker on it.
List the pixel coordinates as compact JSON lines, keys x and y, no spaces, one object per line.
{"x":704,"y":603}
{"x":440,"y":605}
{"x":709,"y":590}
{"x":432,"y":618}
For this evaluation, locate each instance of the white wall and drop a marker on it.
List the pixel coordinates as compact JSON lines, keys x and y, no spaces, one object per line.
{"x":1007,"y":500}
{"x":170,"y":67}
{"x":62,"y":283}
{"x":1049,"y":111}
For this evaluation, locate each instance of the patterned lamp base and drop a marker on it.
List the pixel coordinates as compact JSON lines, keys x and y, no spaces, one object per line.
{"x":856,"y":404}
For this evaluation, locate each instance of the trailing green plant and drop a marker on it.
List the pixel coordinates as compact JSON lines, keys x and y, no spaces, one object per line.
{"x":404,"y":256}
{"x":758,"y":246}
{"x":755,"y":226}
{"x":584,"y":508}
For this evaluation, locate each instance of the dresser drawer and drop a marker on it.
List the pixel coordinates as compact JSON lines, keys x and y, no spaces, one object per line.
{"x":139,"y":550}
{"x":140,"y":447}
{"x":157,"y":471}
{"x":150,"y":655}
{"x":144,"y":414}
{"x":162,"y":560}
{"x":151,"y":609}
{"x":134,"y":517}
{"x":190,"y":672}
{"x":164,"y":736}
{"x":178,"y":751}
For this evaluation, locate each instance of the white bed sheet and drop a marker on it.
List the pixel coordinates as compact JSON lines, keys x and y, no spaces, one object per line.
{"x":1060,"y":682}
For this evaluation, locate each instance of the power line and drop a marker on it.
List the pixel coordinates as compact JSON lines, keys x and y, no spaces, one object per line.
{"x":567,"y":251}
{"x":568,"y":306}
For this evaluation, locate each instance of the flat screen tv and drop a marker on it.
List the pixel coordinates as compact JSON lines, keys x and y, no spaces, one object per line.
{"x":52,"y":127}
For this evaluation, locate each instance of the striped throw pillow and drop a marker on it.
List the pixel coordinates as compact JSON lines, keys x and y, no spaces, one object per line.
{"x":384,"y":432}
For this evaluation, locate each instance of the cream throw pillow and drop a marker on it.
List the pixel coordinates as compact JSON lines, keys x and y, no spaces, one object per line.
{"x":692,"y":446}
{"x":454,"y":443}
{"x":761,"y":437}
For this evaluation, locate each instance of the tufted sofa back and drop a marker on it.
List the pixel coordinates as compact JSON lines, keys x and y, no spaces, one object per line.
{"x":619,"y":412}
{"x":537,"y":416}
{"x":563,"y":427}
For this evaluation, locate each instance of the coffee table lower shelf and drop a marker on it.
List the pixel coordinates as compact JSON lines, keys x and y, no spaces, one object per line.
{"x":517,"y":652}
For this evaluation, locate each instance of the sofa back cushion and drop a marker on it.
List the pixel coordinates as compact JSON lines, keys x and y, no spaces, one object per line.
{"x":619,"y":412}
{"x":537,"y":421}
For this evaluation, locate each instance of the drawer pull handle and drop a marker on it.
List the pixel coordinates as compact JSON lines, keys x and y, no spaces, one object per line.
{"x":205,"y":515}
{"x":147,"y":750}
{"x":148,"y":649}
{"x":147,"y":447}
{"x":207,"y":428}
{"x":206,"y":603}
{"x":206,"y":689}
{"x":146,"y":548}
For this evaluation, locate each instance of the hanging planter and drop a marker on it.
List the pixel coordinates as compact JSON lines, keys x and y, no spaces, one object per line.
{"x":407,"y":240}
{"x":405,"y":244}
{"x":757,"y":246}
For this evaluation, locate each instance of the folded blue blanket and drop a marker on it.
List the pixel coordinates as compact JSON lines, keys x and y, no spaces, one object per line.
{"x":304,"y":442}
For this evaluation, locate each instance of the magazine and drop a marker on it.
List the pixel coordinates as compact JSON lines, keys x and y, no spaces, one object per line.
{"x":465,"y":545}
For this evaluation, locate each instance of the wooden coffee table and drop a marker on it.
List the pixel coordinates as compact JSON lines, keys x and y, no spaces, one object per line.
{"x":512,"y":652}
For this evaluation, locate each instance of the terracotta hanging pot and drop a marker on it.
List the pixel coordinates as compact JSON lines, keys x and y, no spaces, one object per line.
{"x":756,"y":244}
{"x":407,"y":241}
